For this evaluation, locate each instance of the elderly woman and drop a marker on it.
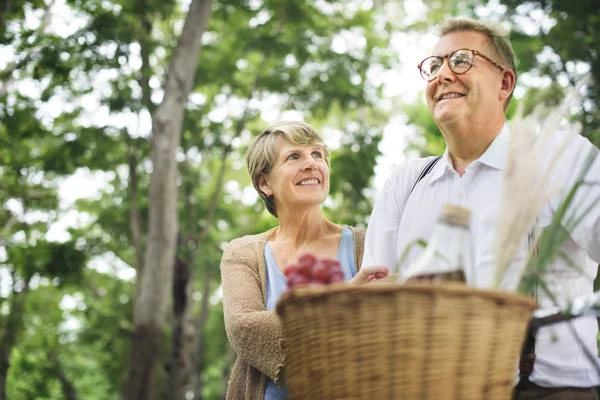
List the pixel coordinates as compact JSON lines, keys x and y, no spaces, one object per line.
{"x":289,"y":167}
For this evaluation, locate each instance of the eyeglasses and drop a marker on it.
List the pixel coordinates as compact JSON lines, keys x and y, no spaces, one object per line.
{"x":459,"y":61}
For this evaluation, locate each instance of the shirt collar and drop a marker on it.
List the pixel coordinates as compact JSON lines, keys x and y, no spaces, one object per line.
{"x":443,"y":166}
{"x":494,"y":156}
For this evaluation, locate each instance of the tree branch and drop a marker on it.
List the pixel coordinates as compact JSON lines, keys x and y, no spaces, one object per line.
{"x":7,"y":227}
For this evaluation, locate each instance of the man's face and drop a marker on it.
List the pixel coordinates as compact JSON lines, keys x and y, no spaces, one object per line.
{"x":472,"y":97}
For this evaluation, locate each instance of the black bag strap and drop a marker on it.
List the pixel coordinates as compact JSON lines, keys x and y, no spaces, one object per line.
{"x":428,"y":168}
{"x":527,"y":359}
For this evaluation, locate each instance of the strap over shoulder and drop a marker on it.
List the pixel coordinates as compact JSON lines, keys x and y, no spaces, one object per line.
{"x":425,"y":171}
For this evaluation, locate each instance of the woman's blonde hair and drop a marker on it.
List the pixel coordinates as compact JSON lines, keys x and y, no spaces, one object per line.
{"x":263,"y":149}
{"x":496,"y":34}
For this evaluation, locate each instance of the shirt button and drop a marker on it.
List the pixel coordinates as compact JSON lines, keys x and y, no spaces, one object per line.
{"x":459,"y":195}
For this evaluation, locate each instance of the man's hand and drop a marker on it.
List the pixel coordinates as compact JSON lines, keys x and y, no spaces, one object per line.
{"x":367,"y":274}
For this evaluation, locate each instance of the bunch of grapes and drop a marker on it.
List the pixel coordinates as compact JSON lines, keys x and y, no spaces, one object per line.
{"x":310,"y":270}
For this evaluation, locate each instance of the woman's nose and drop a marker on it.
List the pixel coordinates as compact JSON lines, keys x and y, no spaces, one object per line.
{"x":309,"y":164}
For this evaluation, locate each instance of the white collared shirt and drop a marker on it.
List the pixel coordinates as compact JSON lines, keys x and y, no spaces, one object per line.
{"x":398,"y":220}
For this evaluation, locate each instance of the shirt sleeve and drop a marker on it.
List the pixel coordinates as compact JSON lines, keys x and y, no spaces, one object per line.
{"x":254,"y":334}
{"x":580,"y":162}
{"x":382,"y":231}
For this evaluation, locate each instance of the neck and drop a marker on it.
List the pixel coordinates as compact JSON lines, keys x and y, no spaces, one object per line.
{"x":300,"y":227}
{"x":467,"y":144}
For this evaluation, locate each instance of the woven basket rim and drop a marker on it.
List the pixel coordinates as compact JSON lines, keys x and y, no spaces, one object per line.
{"x":310,"y":292}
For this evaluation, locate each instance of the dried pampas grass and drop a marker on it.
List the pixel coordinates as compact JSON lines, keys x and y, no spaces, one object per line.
{"x":527,"y":185}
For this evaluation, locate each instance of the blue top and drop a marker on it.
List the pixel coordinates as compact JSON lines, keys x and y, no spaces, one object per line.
{"x":277,"y":283}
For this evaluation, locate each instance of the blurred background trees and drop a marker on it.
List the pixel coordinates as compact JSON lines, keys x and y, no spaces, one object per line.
{"x":80,"y":83}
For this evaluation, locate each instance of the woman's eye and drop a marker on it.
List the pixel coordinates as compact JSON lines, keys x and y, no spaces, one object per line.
{"x":317,"y":154}
{"x":293,"y":156}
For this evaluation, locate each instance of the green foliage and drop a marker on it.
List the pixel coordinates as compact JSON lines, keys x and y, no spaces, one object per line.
{"x":215,"y":350}
{"x":290,"y":53}
{"x":83,"y":340}
{"x":60,"y":261}
{"x":527,"y":49}
{"x":440,"y":10}
{"x":575,"y":39}
{"x":419,"y":116}
{"x":106,"y":321}
{"x":352,"y":169}
{"x":550,"y":97}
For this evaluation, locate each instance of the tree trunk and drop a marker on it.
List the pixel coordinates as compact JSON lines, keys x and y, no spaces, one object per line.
{"x":167,"y":120}
{"x":135,"y":220}
{"x":200,"y":345}
{"x":181,"y":368}
{"x":9,"y":336}
{"x":231,"y":356}
{"x":68,"y":388}
{"x":180,"y":365}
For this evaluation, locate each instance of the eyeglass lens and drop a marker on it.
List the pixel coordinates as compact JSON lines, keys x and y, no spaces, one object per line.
{"x":459,"y":61}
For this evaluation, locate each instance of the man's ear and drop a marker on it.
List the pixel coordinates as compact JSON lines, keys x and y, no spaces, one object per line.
{"x":263,"y":185}
{"x":509,"y":79}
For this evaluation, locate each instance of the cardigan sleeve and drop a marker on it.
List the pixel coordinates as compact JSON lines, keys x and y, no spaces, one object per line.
{"x":254,"y":334}
{"x":359,"y":245}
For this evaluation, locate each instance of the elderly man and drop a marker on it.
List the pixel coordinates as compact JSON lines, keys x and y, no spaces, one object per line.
{"x":470,"y":79}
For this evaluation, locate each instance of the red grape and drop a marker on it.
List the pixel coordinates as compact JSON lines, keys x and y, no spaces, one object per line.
{"x":336,"y":276}
{"x":320,"y":273}
{"x":330,"y":263}
{"x":305,"y":270}
{"x":311,"y":270}
{"x":307,"y":259}
{"x":297,"y":279}
{"x":290,"y":269}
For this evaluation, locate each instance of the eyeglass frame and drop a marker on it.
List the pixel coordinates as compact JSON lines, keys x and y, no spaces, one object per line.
{"x":447,"y":57}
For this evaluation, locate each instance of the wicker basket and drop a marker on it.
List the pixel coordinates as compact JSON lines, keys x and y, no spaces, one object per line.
{"x":386,"y":341}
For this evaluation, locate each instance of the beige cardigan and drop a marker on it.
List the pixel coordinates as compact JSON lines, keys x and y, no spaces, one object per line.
{"x":255,"y":334}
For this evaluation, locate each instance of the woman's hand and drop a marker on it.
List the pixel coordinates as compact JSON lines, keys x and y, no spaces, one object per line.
{"x":367,"y":274}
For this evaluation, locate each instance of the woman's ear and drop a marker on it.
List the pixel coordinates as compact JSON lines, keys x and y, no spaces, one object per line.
{"x":263,"y":185}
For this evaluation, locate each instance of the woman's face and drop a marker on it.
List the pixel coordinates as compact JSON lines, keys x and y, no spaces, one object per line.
{"x":299,"y":178}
